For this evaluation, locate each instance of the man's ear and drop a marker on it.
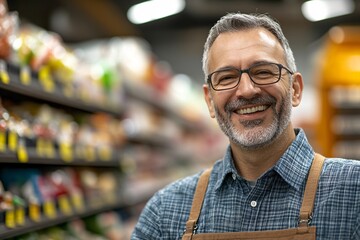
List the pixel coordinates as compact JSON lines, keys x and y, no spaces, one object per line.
{"x":209,"y":100}
{"x":297,"y":89}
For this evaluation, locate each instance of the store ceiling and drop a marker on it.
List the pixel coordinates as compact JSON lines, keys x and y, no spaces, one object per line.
{"x":82,"y":20}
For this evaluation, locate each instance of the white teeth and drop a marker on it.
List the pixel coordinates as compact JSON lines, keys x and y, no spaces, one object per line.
{"x":252,"y":109}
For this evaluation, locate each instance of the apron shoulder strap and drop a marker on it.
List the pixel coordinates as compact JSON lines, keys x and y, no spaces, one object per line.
{"x":305,"y":210}
{"x":310,"y":190}
{"x":197,"y":204}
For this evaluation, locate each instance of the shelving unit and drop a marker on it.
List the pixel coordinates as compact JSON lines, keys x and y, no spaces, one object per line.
{"x":56,"y":96}
{"x":30,"y":226}
{"x":150,"y":97}
{"x":125,"y":197}
{"x":90,"y":132}
{"x":338,"y":131}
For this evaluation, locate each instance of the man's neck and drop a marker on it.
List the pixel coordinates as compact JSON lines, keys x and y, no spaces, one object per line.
{"x":251,"y":164}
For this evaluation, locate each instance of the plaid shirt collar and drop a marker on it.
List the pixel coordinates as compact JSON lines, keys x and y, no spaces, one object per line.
{"x":293,"y":166}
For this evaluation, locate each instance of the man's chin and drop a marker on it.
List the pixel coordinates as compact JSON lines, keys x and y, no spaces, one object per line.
{"x":255,"y":137}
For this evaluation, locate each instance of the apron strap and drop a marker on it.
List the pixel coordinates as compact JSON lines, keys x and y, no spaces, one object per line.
{"x":305,"y":210}
{"x":307,"y":206}
{"x":197,"y":204}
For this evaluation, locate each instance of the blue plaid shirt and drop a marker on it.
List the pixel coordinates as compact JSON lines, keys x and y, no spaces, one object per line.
{"x":232,"y":205}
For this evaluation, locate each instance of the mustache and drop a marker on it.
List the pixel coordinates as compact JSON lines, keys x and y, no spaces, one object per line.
{"x":240,"y":102}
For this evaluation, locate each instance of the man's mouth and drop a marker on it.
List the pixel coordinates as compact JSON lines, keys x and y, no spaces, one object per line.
{"x":254,"y":109}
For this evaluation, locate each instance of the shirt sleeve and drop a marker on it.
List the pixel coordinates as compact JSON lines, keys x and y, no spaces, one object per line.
{"x":148,"y":225}
{"x":356,"y":233}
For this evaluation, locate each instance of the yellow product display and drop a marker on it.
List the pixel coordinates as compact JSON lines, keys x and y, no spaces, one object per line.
{"x":338,"y":131}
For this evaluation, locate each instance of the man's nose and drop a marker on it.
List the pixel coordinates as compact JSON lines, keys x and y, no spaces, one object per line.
{"x":246,"y":87}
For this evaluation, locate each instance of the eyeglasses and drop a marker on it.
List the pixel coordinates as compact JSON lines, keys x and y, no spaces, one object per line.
{"x":260,"y":74}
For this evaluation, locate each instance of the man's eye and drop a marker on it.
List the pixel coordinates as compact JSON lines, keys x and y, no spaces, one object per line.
{"x":263,"y":73}
{"x":226,"y":79}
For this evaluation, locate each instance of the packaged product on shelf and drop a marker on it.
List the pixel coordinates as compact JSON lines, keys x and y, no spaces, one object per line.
{"x":33,"y":200}
{"x":20,"y":208}
{"x":44,"y":132}
{"x":100,"y":187}
{"x":92,"y":193}
{"x":34,"y":48}
{"x":85,"y":147}
{"x":19,"y":132}
{"x":160,"y":76}
{"x":65,"y":137}
{"x":100,"y":65}
{"x":7,"y":206}
{"x":102,"y":141}
{"x":338,"y":131}
{"x":43,"y":54}
{"x":19,"y":182}
{"x":4,"y":119}
{"x":8,"y":27}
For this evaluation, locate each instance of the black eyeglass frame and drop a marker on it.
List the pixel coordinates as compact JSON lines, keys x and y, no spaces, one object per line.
{"x":241,"y":71}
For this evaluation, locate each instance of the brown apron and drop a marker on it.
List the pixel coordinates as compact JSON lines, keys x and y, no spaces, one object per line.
{"x":302,"y":232}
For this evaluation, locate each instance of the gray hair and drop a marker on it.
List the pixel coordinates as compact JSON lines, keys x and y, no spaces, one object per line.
{"x":233,"y":22}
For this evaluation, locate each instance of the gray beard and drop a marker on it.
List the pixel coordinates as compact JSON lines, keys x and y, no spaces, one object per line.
{"x":252,"y":138}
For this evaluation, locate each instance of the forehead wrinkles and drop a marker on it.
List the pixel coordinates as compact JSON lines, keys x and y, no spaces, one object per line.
{"x":243,"y":40}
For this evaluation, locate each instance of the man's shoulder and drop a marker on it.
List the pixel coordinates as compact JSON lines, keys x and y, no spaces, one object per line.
{"x":342,"y":168}
{"x":342,"y":163}
{"x":183,"y":186}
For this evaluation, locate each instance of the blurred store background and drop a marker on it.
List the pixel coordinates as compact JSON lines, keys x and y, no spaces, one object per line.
{"x":100,"y":108}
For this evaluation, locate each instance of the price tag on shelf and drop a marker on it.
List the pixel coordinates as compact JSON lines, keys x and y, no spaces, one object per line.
{"x":49,"y":148}
{"x":40,"y":147}
{"x":46,"y":80}
{"x":49,"y":209}
{"x":34,"y":212}
{"x":20,"y":215}
{"x":78,"y":201}
{"x":22,"y":151}
{"x":64,"y":205}
{"x":10,"y":218}
{"x":2,"y":141}
{"x":66,"y":152}
{"x":13,"y":140}
{"x":4,"y":75}
{"x":25,"y":75}
{"x":22,"y":154}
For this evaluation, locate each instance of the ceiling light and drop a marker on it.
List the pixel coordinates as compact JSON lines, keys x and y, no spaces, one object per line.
{"x":153,"y":10}
{"x":317,"y":10}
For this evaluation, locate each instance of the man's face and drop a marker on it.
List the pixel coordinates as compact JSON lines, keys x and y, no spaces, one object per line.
{"x":251,"y":116}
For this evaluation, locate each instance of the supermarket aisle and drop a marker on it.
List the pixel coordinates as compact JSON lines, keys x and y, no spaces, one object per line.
{"x":91,"y":128}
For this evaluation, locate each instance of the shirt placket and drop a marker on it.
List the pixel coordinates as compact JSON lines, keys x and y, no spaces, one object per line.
{"x":251,"y":207}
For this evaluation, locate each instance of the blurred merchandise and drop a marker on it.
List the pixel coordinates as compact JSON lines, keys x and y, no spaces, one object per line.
{"x":8,"y":28}
{"x":90,"y":131}
{"x":338,"y":131}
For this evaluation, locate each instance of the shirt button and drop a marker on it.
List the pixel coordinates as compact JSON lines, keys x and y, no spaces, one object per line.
{"x":234,"y":176}
{"x":253,"y":204}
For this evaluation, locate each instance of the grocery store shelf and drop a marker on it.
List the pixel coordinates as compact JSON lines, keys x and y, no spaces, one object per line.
{"x":154,"y":140}
{"x":149,"y":96}
{"x":36,"y":91}
{"x":33,"y":158}
{"x":44,"y":222}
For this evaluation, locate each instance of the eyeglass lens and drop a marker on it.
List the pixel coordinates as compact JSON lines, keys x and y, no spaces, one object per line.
{"x":261,"y":74}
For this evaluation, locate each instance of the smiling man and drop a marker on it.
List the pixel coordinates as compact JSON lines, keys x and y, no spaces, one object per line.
{"x":270,"y":183}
